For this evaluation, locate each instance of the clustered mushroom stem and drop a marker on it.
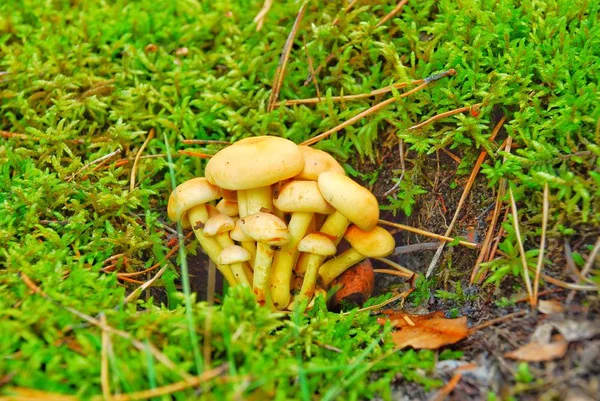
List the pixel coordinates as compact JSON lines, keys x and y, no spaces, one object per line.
{"x":237,"y":269}
{"x":336,"y":266}
{"x":242,"y":205}
{"x":250,"y":246}
{"x":198,"y":215}
{"x":310,"y":278}
{"x":255,"y":199}
{"x":285,"y":259}
{"x":262,"y":265}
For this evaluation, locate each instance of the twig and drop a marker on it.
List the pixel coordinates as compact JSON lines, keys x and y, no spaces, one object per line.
{"x":104,"y":380}
{"x":260,"y":17}
{"x":136,"y":293}
{"x":311,"y":68}
{"x":448,"y":388}
{"x":591,"y":259}
{"x":540,"y":261}
{"x":194,"y":154}
{"x":137,"y":158}
{"x":492,"y":254}
{"x":570,"y":286}
{"x":396,"y":266}
{"x":452,"y":155}
{"x":7,"y":134}
{"x":378,"y":107}
{"x":464,"y":195}
{"x":391,"y":272}
{"x":108,"y":156}
{"x":348,"y":8}
{"x":427,"y":233}
{"x":421,"y":246}
{"x":171,"y":388}
{"x":485,"y":247}
{"x":402,"y":296}
{"x":444,"y":115}
{"x":402,"y":167}
{"x":497,"y":320}
{"x":515,"y":215}
{"x":137,"y":344}
{"x":391,"y":14}
{"x":285,"y":54}
{"x":204,"y":142}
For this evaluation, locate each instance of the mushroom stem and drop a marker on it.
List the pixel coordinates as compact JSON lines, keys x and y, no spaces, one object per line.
{"x":336,"y":266}
{"x":285,"y":259}
{"x":253,"y":200}
{"x":262,"y":265}
{"x":310,"y":278}
{"x":198,"y":215}
{"x":250,"y":246}
{"x":237,"y":269}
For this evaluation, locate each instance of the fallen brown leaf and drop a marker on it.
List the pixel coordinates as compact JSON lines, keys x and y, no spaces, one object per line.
{"x":550,"y":307}
{"x":538,"y":352}
{"x":430,"y":331}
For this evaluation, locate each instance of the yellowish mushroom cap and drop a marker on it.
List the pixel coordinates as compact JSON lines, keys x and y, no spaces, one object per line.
{"x":354,"y":201}
{"x":233,"y":254}
{"x":254,"y":162}
{"x":228,"y":208}
{"x":316,"y":162}
{"x":188,"y":194}
{"x":302,"y":196}
{"x":376,"y":243}
{"x":266,"y":228}
{"x":218,"y":224}
{"x":318,"y":243}
{"x":237,"y":234}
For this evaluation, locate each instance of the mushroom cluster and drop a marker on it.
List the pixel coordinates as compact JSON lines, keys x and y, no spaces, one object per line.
{"x":271,"y":215}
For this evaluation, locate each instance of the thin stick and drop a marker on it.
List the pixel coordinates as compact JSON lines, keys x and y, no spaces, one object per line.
{"x":448,"y":388}
{"x":444,"y":115}
{"x":392,"y":272}
{"x":194,"y":154}
{"x":396,"y":266}
{"x":171,"y":388}
{"x":497,"y":320}
{"x":427,"y":233}
{"x":204,"y":142}
{"x":137,"y":344}
{"x":515,"y":215}
{"x":348,"y":8}
{"x":260,"y":17}
{"x":492,"y":254}
{"x":285,"y":54}
{"x":7,"y":134}
{"x":403,"y":168}
{"x":402,"y":295}
{"x":570,"y":286}
{"x":485,"y":247}
{"x":540,"y":261}
{"x":421,"y":246}
{"x":137,"y":158}
{"x":452,"y":155}
{"x":135,"y":294}
{"x":464,"y":195}
{"x":391,"y":14}
{"x":311,"y":68}
{"x":378,"y":107}
{"x":108,"y":156}
{"x":104,"y":379}
{"x":591,"y":259}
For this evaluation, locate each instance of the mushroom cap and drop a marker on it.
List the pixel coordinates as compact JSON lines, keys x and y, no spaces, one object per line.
{"x":375,"y":243}
{"x":318,"y":243}
{"x":351,"y":199}
{"x":254,"y":162}
{"x":302,"y":196}
{"x":230,"y":196}
{"x":266,"y":228}
{"x":237,"y":234}
{"x":218,"y":224}
{"x":316,"y":162}
{"x":233,"y":254}
{"x":228,"y":208}
{"x":188,"y":194}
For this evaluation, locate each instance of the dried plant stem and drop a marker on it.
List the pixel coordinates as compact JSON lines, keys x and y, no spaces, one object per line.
{"x":348,"y":8}
{"x":137,"y":344}
{"x":452,"y":155}
{"x":135,"y":294}
{"x":402,"y":167}
{"x":311,"y":68}
{"x":464,"y":195}
{"x":100,"y":159}
{"x":391,"y":14}
{"x":421,"y":246}
{"x":497,"y":320}
{"x":448,"y":388}
{"x":427,"y":233}
{"x":396,"y":266}
{"x":171,"y":388}
{"x":137,"y":158}
{"x":515,"y":215}
{"x":391,"y":272}
{"x":204,"y":142}
{"x":6,"y":134}
{"x":285,"y":55}
{"x":590,"y":262}
{"x":570,"y":286}
{"x":104,"y":379}
{"x":259,"y":20}
{"x":194,"y":154}
{"x":540,"y":261}
{"x":444,"y":115}
{"x":396,"y":297}
{"x":485,"y":247}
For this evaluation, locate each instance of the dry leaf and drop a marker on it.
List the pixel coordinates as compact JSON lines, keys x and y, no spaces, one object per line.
{"x":356,"y":284}
{"x":537,"y":352}
{"x":576,"y":330}
{"x":550,"y":307}
{"x":430,"y":331}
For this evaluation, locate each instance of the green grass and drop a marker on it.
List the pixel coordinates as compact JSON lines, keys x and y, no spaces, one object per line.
{"x":80,"y":85}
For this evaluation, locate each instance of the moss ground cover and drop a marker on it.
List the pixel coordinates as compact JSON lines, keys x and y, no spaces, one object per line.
{"x":82,"y":84}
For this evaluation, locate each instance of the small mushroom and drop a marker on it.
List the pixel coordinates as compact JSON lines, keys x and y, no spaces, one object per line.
{"x":246,"y":241}
{"x":187,"y":203}
{"x":316,"y":243}
{"x":268,"y":231}
{"x":235,"y":256}
{"x":228,"y":208}
{"x":375,"y":243}
{"x":316,"y":162}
